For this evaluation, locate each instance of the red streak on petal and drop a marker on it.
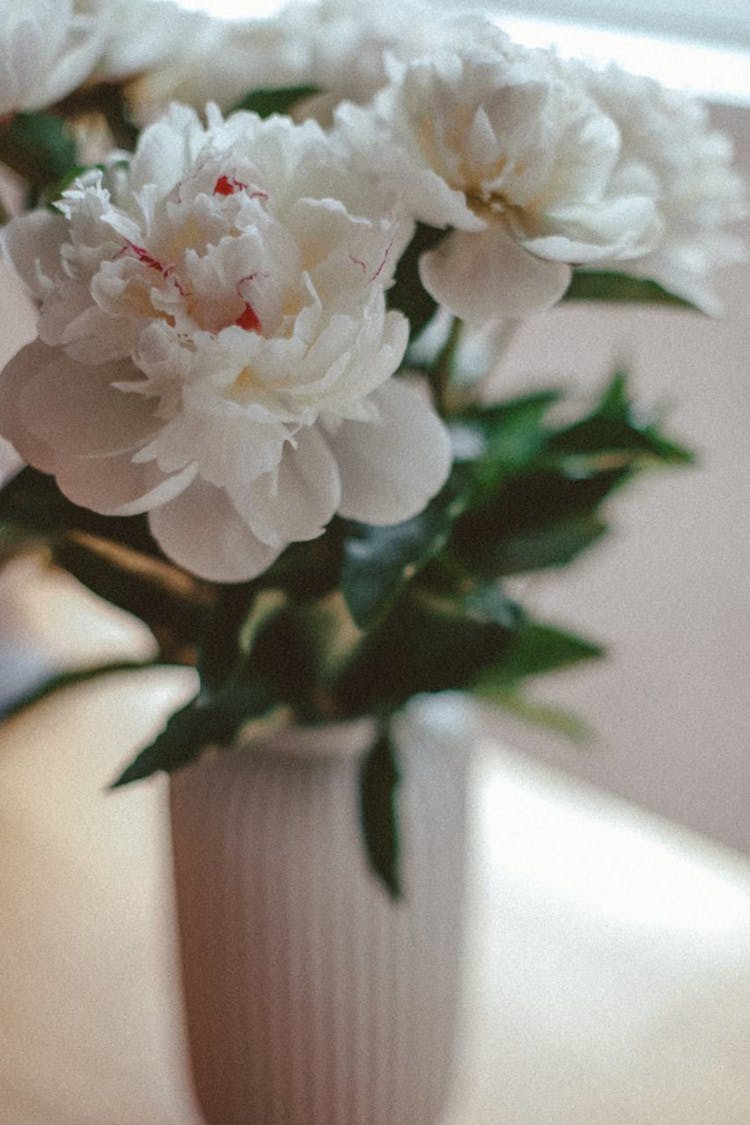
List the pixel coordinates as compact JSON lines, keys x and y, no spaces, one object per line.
{"x":143,"y":256}
{"x":249,"y":319}
{"x":227,"y":185}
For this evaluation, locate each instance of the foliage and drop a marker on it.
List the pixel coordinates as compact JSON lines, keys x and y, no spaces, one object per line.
{"x":362,"y":619}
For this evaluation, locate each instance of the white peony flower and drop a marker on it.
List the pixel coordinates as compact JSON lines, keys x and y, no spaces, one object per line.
{"x":698,"y":192}
{"x":141,"y":35}
{"x":336,"y":46}
{"x":497,"y":143}
{"x":351,"y":45}
{"x":220,"y":61}
{"x":214,"y":346}
{"x":47,"y":48}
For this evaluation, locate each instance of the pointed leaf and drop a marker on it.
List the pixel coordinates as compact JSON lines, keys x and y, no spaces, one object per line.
{"x":538,"y":548}
{"x":425,"y":644}
{"x":280,"y":100}
{"x":613,"y":429}
{"x":549,"y":716}
{"x":380,"y":561}
{"x":536,"y":649}
{"x":501,"y":439}
{"x":603,"y":285}
{"x":599,"y":437}
{"x":208,"y":720}
{"x":543,"y":518}
{"x":379,"y":779}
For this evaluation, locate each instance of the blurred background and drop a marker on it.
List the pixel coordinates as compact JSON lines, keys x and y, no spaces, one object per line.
{"x":668,"y":592}
{"x":98,"y":1039}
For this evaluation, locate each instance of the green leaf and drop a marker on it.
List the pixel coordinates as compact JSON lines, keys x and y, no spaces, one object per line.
{"x":600,"y":437}
{"x":615,"y":400}
{"x":379,"y":779}
{"x":208,"y":720}
{"x":540,"y":519}
{"x":63,"y":680}
{"x":220,"y":634}
{"x":549,"y":716}
{"x":407,"y":293}
{"x":286,"y":657}
{"x":310,"y":570}
{"x":379,"y":561}
{"x":538,"y":548}
{"x":603,"y":285}
{"x":39,"y":147}
{"x":489,"y":603}
{"x":536,"y":649}
{"x":425,"y":644}
{"x":613,"y":429}
{"x":280,"y":100}
{"x":501,"y":439}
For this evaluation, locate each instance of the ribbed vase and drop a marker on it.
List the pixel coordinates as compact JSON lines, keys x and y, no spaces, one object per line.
{"x":313,"y":998}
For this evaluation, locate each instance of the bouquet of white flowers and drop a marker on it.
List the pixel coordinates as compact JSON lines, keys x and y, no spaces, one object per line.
{"x":259,"y":251}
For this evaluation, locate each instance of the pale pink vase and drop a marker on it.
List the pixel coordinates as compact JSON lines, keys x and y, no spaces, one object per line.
{"x":312,"y":997}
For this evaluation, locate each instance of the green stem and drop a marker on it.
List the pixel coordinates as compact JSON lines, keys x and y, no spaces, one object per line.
{"x":442,"y":369}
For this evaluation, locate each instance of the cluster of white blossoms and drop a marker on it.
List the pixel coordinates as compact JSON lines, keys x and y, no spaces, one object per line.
{"x":47,"y":48}
{"x":215,"y":346}
{"x":698,"y":192}
{"x":519,"y":162}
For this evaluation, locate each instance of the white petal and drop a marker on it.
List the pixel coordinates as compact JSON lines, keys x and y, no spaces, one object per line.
{"x":117,"y":486}
{"x":619,"y":227}
{"x":202,"y":531}
{"x":22,"y":367}
{"x":77,"y":410}
{"x":32,"y":242}
{"x":392,"y":467}
{"x":480,"y":277}
{"x":167,"y":149}
{"x":299,"y":503}
{"x":75,"y":64}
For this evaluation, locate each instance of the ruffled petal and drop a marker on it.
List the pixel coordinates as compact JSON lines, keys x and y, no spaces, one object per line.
{"x":297,"y":502}
{"x":391,"y":468}
{"x":481,"y":277}
{"x":167,"y":149}
{"x":201,"y":530}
